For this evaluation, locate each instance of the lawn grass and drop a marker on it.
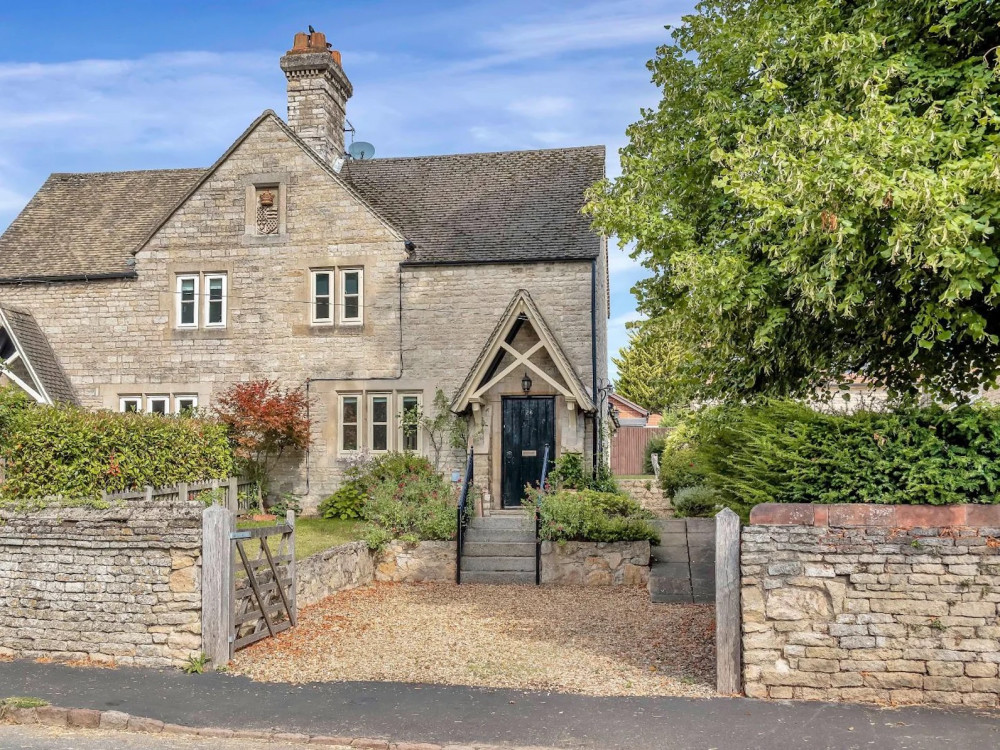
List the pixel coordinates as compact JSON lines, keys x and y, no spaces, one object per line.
{"x":313,"y":535}
{"x":650,"y":477}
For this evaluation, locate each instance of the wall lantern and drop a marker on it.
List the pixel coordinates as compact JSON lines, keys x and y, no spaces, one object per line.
{"x":525,"y":383}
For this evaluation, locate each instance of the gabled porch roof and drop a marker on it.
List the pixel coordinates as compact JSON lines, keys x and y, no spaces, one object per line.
{"x":486,"y":372}
{"x":27,"y":359}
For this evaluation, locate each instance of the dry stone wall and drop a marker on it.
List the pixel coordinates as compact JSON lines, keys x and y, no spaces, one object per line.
{"x":648,"y":493}
{"x":596,"y":563}
{"x":888,"y":604}
{"x":416,"y":562}
{"x":338,"y":569}
{"x":121,"y":585}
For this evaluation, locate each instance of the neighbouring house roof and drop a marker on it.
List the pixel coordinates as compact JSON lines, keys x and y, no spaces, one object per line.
{"x":622,"y":401}
{"x":85,"y":225}
{"x":512,"y":206}
{"x":486,"y":370}
{"x":28,"y":358}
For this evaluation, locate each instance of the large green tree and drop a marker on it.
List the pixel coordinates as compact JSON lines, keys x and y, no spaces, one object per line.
{"x":648,"y":368}
{"x":817,"y":193}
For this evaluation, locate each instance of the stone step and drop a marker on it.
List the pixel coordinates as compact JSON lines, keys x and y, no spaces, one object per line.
{"x":514,"y":521}
{"x":491,"y":536}
{"x":510,"y":576}
{"x":499,"y":549}
{"x":498,"y":564}
{"x":669,"y":590}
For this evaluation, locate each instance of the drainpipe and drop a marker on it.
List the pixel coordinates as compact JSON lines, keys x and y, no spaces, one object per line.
{"x":593,"y":361}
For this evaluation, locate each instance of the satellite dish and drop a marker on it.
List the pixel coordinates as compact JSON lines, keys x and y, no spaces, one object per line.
{"x":361,"y":150}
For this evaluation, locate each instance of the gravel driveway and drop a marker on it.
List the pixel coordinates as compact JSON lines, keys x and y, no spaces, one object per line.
{"x":596,"y":641}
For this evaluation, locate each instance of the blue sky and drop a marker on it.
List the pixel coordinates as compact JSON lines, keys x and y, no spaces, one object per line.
{"x":143,"y":85}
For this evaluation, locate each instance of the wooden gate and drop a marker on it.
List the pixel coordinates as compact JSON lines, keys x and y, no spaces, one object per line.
{"x":263,"y":602}
{"x":248,"y":583}
{"x":628,"y":448}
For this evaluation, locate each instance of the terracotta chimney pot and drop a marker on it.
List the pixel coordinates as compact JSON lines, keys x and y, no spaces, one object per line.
{"x":317,"y":41}
{"x":301,"y":43}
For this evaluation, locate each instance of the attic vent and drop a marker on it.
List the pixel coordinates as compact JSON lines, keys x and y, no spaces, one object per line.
{"x":267,"y":210}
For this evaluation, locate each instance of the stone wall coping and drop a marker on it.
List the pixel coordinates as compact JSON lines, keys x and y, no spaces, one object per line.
{"x":859,"y":515}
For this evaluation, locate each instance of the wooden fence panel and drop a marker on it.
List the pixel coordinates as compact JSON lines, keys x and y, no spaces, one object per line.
{"x":628,"y":446}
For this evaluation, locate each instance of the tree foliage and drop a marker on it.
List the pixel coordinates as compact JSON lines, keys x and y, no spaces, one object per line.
{"x":816,"y":193}
{"x":649,"y":368}
{"x":264,"y":421}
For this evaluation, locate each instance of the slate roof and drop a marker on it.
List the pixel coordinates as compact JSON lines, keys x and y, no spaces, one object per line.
{"x":88,"y":224}
{"x":461,"y":208}
{"x":35,"y":348}
{"x":491,"y":207}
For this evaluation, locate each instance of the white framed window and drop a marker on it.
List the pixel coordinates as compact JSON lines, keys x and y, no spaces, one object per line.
{"x":216,"y":296}
{"x":351,"y":304}
{"x":378,"y":422}
{"x":350,"y":418}
{"x":187,"y":301}
{"x":409,"y":433}
{"x":185,"y":404}
{"x":322,"y":297}
{"x":158,"y":405}
{"x":130,"y":404}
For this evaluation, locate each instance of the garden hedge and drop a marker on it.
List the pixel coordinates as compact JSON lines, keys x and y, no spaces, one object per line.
{"x":782,"y":451}
{"x":77,"y":454}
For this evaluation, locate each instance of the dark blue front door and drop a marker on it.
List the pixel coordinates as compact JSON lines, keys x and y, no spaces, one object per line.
{"x":528,"y":426}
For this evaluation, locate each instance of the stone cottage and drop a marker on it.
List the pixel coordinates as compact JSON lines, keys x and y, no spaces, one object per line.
{"x":372,"y":283}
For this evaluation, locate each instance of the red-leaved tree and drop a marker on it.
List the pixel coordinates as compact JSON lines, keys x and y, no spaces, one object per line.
{"x":264,"y":421}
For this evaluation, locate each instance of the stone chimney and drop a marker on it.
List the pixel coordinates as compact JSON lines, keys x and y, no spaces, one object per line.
{"x":318,"y":91}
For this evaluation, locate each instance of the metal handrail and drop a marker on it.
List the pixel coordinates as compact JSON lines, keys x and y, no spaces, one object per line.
{"x":463,"y":516}
{"x":538,"y":518}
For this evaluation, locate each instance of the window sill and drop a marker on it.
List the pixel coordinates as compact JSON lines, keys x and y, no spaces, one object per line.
{"x":198,"y":334}
{"x":325,"y":330}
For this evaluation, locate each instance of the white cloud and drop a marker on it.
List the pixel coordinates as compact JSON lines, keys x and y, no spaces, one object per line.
{"x":542,"y":107}
{"x":592,"y":27}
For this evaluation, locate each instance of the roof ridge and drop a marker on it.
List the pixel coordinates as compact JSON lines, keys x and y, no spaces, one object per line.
{"x":127,"y":171}
{"x":481,"y":153}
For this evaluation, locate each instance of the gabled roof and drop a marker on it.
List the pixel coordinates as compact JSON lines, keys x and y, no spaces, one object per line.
{"x":84,"y":225}
{"x":27,"y":351}
{"x":267,"y":114}
{"x":484,"y":373}
{"x":511,"y":206}
{"x":631,"y":404}
{"x":514,"y":206}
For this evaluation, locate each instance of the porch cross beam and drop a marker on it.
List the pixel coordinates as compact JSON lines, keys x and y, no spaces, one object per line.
{"x":520,"y":360}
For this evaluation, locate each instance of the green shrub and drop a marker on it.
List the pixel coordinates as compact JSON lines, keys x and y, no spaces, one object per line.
{"x":655,"y":445}
{"x":569,"y":472}
{"x":13,"y":401}
{"x":346,"y":503}
{"x":402,"y":497}
{"x":65,"y":450}
{"x":780,"y":451}
{"x":695,"y":502}
{"x":591,"y":516}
